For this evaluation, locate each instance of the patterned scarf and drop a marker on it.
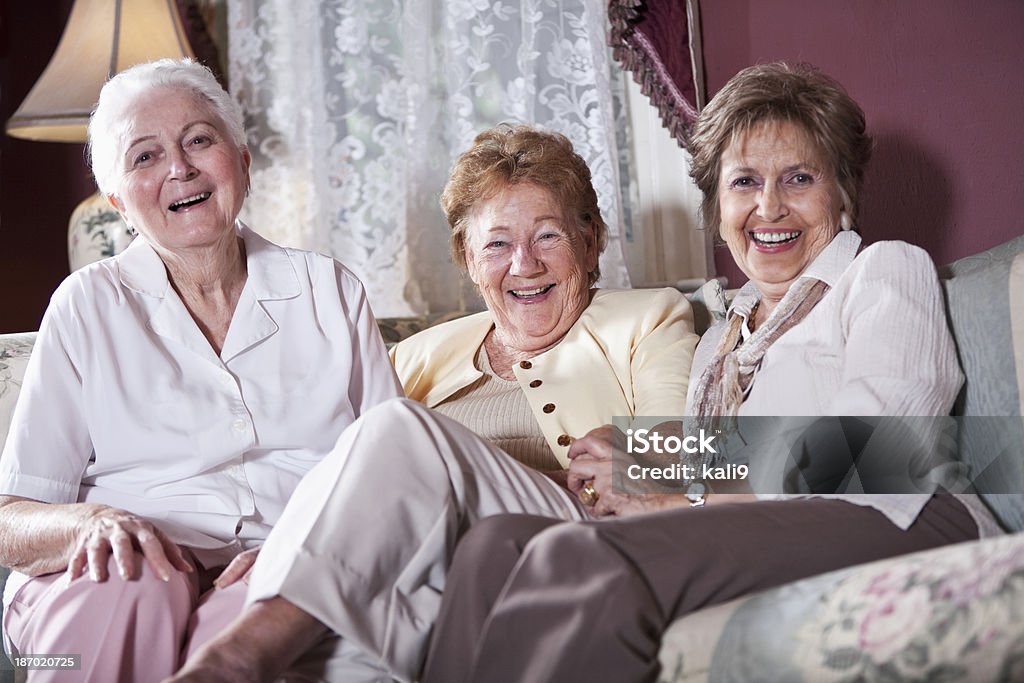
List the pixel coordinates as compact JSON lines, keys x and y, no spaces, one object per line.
{"x":725,"y":382}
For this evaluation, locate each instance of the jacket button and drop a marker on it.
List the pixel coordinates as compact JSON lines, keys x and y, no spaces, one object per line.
{"x":535,"y":383}
{"x":549,"y":408}
{"x":525,"y":364}
{"x":564,"y":440}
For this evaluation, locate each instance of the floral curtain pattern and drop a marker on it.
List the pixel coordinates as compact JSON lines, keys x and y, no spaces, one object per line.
{"x":356,"y":110}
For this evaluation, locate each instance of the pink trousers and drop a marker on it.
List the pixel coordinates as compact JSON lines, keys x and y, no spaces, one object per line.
{"x":129,"y":631}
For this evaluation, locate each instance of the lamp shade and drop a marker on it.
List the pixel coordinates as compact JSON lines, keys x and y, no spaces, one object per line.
{"x":101,"y":38}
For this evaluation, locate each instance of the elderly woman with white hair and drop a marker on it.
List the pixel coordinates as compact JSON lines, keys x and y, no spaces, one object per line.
{"x":176,"y":394}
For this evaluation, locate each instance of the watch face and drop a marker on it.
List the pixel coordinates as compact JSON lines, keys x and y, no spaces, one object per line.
{"x":696,"y":491}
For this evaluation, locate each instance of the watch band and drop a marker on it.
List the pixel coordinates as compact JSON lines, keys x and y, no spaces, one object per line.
{"x":697,"y":495}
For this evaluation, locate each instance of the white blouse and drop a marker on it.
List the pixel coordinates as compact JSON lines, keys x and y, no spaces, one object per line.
{"x":877,"y":344}
{"x":125,"y":403}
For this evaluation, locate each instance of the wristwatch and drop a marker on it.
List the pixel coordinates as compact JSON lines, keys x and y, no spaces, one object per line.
{"x":697,"y":495}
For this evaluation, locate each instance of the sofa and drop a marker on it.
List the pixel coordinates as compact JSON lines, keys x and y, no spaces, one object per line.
{"x":951,"y":614}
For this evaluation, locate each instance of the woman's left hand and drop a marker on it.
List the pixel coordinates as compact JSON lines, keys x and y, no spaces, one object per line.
{"x":591,"y":461}
{"x":238,"y":569}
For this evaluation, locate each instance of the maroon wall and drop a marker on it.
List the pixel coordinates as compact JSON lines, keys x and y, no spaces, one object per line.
{"x":40,"y":182}
{"x":942,"y":86}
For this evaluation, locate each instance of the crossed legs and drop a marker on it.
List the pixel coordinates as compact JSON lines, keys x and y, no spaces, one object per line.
{"x":363,"y":547}
{"x":531,"y":599}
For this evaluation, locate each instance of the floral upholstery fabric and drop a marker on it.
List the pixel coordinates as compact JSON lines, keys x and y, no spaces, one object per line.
{"x":949,"y":614}
{"x":953,"y":615}
{"x":14,"y":352}
{"x":395,"y":330}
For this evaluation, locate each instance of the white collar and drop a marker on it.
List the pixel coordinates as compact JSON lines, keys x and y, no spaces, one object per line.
{"x":271,"y":274}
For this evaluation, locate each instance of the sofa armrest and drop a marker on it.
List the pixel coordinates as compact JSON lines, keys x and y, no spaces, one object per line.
{"x":951,"y":614}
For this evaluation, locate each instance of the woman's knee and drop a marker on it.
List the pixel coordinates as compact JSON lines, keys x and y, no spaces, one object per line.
{"x":404,"y":435}
{"x":568,"y":550}
{"x":52,"y":607}
{"x":494,"y":544}
{"x":390,"y":429}
{"x":394,"y":410}
{"x":144,"y":589}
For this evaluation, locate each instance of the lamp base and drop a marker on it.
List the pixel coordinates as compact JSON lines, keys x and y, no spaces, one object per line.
{"x":96,"y":231}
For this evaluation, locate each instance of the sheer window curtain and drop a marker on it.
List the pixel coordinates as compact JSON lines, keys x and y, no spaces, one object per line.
{"x":356,"y":110}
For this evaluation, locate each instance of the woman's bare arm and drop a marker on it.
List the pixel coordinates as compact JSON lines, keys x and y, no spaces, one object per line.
{"x":42,"y":538}
{"x":37,"y":538}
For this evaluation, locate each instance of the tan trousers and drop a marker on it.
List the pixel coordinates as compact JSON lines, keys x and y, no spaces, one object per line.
{"x":366,"y":539}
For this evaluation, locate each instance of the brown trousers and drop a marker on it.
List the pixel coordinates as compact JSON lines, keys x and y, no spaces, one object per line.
{"x":535,"y":599}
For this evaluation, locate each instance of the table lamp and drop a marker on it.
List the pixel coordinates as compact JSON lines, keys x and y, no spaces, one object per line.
{"x":101,"y":38}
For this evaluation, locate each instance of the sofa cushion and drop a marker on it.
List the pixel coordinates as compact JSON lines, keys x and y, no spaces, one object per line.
{"x":986,"y":314}
{"x":1017,"y":321}
{"x":710,"y":303}
{"x":394,"y":330}
{"x":978,"y":298}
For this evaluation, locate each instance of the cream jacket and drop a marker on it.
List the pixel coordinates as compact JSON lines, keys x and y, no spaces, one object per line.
{"x":628,"y":354}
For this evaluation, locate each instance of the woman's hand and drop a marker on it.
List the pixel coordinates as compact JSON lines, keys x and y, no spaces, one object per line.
{"x":591,"y":461}
{"x":239,"y":568}
{"x":106,"y":531}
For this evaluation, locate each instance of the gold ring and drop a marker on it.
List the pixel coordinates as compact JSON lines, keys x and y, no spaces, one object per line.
{"x":588,"y":494}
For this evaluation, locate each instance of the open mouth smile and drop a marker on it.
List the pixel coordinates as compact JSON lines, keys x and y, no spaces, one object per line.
{"x":530,"y":294}
{"x":189,"y":201}
{"x":773,"y":239}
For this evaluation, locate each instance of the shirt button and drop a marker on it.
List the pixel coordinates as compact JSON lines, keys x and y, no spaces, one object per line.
{"x":548,"y":408}
{"x":239,"y":425}
{"x":535,"y":383}
{"x":525,"y":365}
{"x":564,"y":440}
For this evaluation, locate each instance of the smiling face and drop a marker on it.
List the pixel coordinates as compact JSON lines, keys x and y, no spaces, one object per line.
{"x":780,"y":204}
{"x":183,"y":180}
{"x":530,"y":262}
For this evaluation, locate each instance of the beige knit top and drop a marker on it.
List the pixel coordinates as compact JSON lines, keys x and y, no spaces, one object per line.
{"x":497,"y":410}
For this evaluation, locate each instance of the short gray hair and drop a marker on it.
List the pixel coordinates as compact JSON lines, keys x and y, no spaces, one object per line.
{"x":107,"y":123}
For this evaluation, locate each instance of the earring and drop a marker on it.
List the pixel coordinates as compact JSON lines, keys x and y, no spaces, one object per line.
{"x":845,"y":222}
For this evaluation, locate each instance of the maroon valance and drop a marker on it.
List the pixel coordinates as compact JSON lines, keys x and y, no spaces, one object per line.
{"x":659,"y":42}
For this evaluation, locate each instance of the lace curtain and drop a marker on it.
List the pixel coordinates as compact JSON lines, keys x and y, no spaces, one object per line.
{"x":356,"y":110}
